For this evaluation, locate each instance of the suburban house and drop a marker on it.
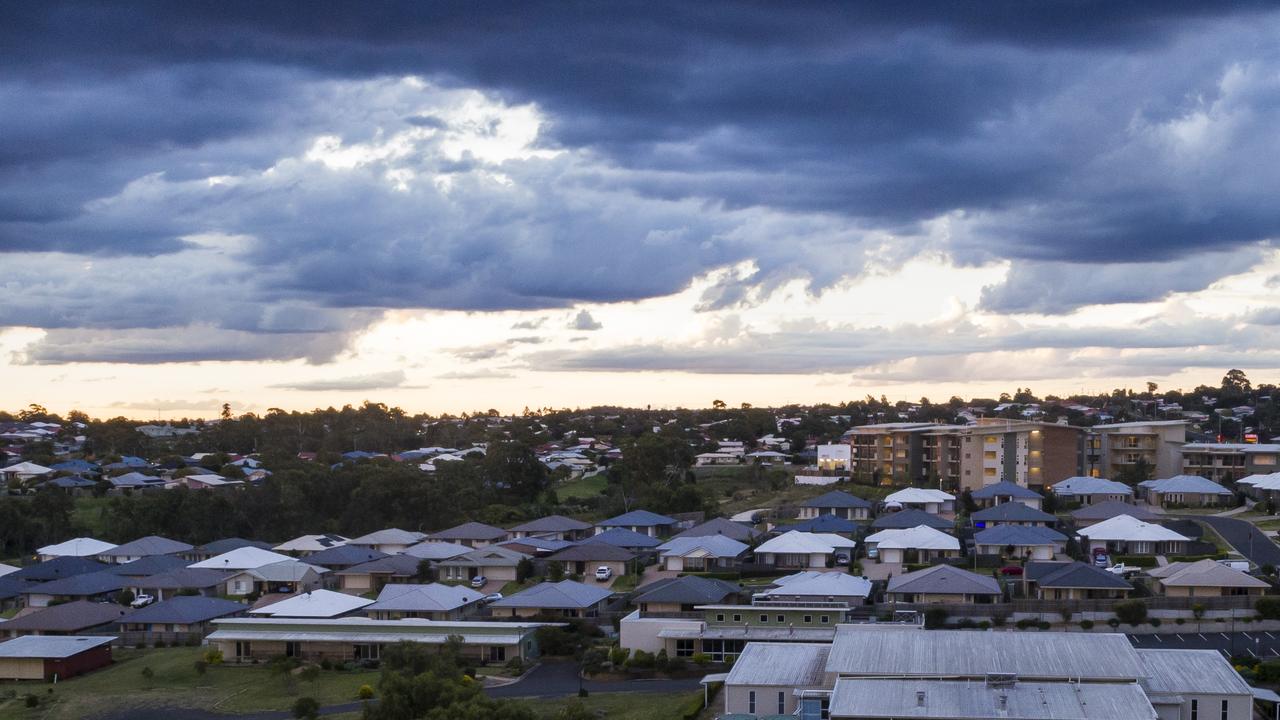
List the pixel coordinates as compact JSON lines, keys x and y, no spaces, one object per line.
{"x":934,"y":502}
{"x":308,"y":544}
{"x":243,"y":640}
{"x":1096,"y":513}
{"x":82,"y":547}
{"x":143,"y":547}
{"x":1006,"y":492}
{"x":217,"y":547}
{"x":1020,"y":541}
{"x":583,"y":558}
{"x":208,"y":583}
{"x":495,"y":563}
{"x":242,"y":558}
{"x":1204,"y":578}
{"x":716,"y":458}
{"x":286,"y":576}
{"x":432,"y":602}
{"x":629,"y":539}
{"x":1012,"y":513}
{"x":838,"y":503}
{"x":641,"y":521}
{"x":904,"y":519}
{"x":23,"y":472}
{"x":741,"y":532}
{"x":698,"y":554}
{"x":1127,"y":535}
{"x":536,"y":546}
{"x":943,"y":584}
{"x":59,"y":567}
{"x":97,"y":586}
{"x":390,"y":541}
{"x":147,"y":566}
{"x":822,"y":524}
{"x":1184,"y":491}
{"x":178,"y":620}
{"x":471,"y":534}
{"x":1072,"y":580}
{"x":873,"y":672}
{"x":802,"y":551}
{"x":53,"y":658}
{"x":314,"y":604}
{"x":79,"y":617}
{"x":817,"y":587}
{"x":566,"y":598}
{"x":721,"y":632}
{"x":345,"y":556}
{"x":375,"y":574}
{"x":556,"y":527}
{"x":436,"y":551}
{"x":1092,"y":490}
{"x":682,"y":594}
{"x":920,"y":544}
{"x":135,"y":482}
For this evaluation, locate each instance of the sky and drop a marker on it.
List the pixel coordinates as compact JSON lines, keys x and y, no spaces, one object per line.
{"x":457,"y":206}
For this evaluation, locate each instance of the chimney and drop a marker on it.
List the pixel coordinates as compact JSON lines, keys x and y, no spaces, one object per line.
{"x":919,"y":698}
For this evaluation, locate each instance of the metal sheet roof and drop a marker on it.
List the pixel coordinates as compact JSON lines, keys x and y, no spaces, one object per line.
{"x":1004,"y":488}
{"x":790,"y":665}
{"x":556,"y":595}
{"x":868,"y":650}
{"x":1191,"y":671}
{"x":962,"y":700}
{"x":944,"y":580}
{"x":50,"y":646}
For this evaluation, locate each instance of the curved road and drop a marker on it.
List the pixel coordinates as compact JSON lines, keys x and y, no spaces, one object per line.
{"x":1246,"y":539}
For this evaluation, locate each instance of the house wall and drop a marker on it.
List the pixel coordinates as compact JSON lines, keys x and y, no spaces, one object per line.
{"x":637,"y":633}
{"x":737,"y":699}
{"x":937,"y":598}
{"x":1239,"y":707}
{"x":21,"y":669}
{"x":1185,"y":591}
{"x":78,"y":664}
{"x":1034,"y":552}
{"x":344,"y":651}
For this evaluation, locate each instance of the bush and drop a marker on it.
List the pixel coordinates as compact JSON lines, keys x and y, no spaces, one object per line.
{"x":1179,"y":621}
{"x":1268,"y":607}
{"x":999,"y":620}
{"x":125,"y":597}
{"x":1026,"y":623}
{"x":31,"y":700}
{"x":641,"y":660}
{"x":306,"y":708}
{"x":1044,"y":624}
{"x":213,"y":657}
{"x":1114,"y":622}
{"x":148,"y":673}
{"x":201,"y":667}
{"x":325,"y":664}
{"x":1133,"y":612}
{"x":984,"y":625}
{"x":1143,"y":561}
{"x":662,"y":662}
{"x":310,"y":673}
{"x":1086,"y":624}
{"x":617,"y":655}
{"x":365,"y":692}
{"x":1155,"y":622}
{"x":935,"y":617}
{"x":700,"y":659}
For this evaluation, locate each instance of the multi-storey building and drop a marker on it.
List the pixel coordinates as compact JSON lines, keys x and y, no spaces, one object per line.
{"x":1228,"y":462}
{"x":968,"y":457}
{"x":1115,"y":448}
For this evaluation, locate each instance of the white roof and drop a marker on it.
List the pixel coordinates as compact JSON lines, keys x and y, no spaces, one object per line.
{"x":285,"y":571}
{"x":76,"y":547}
{"x":1128,"y":528}
{"x":311,"y":543}
{"x":920,"y":537}
{"x":245,"y":558}
{"x":50,"y":646}
{"x":822,"y":584}
{"x":796,"y":542}
{"x":1266,"y":482}
{"x":1185,"y":484}
{"x":437,"y":550}
{"x":919,"y":495}
{"x":6,"y":569}
{"x":390,"y":536}
{"x":26,"y":468}
{"x":1090,"y":486}
{"x":315,"y":604}
{"x":1204,"y":573}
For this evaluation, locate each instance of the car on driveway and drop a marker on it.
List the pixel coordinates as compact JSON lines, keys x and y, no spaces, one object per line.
{"x":1100,"y":558}
{"x":603,"y":573}
{"x":142,"y":601}
{"x":493,"y":597}
{"x":479,"y":581}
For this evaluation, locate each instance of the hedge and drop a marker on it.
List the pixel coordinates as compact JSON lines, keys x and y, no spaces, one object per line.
{"x":1145,"y":561}
{"x":1198,"y":558}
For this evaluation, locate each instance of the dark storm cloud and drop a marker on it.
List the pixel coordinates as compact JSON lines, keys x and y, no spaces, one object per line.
{"x":1133,"y":137}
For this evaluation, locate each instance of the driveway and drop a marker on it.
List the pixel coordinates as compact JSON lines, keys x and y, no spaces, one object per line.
{"x":559,"y":678}
{"x":1247,"y":539}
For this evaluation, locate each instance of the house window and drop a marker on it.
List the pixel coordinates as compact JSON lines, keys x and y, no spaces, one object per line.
{"x":1195,"y":710}
{"x":751,"y":702}
{"x":497,"y":653}
{"x":1225,"y":706}
{"x":737,"y":618}
{"x":782,"y":619}
{"x":808,"y":619}
{"x":366,"y":651}
{"x":719,"y":617}
{"x":243,"y":649}
{"x":764,"y":618}
{"x":684,"y":647}
{"x":782,"y":703}
{"x":293,"y":649}
{"x":825,"y":619}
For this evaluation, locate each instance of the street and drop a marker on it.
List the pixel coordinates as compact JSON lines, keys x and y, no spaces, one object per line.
{"x":1246,"y":539}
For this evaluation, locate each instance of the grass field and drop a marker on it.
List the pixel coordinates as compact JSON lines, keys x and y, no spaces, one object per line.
{"x":175,"y":683}
{"x":584,"y":487}
{"x":622,"y":706}
{"x":87,"y":514}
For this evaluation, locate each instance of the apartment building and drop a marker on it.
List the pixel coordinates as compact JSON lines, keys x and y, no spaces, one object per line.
{"x":968,"y":457}
{"x":1228,"y":462}
{"x":1116,"y":447}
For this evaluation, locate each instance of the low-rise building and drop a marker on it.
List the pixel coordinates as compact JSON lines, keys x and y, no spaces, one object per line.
{"x":585,"y":558}
{"x":1228,"y":462}
{"x":934,"y":502}
{"x":180,"y":619}
{"x":1205,"y":578}
{"x":556,"y":527}
{"x":641,"y":521}
{"x":79,"y":617}
{"x":314,"y":604}
{"x":376,"y":574}
{"x":1006,"y":492}
{"x":471,"y":534}
{"x":81,"y":547}
{"x":1020,"y":541}
{"x":1072,"y":580}
{"x":682,"y":594}
{"x":390,"y":541}
{"x":432,"y":601}
{"x":910,"y":518}
{"x":493,"y":562}
{"x":1012,"y":513}
{"x":1184,"y":491}
{"x":53,"y":658}
{"x":920,"y":544}
{"x":802,"y":550}
{"x":1096,"y":513}
{"x":143,"y":547}
{"x":566,"y":598}
{"x":943,"y":584}
{"x":698,"y":554}
{"x":1091,"y":490}
{"x":838,"y":503}
{"x":288,"y":576}
{"x":1127,"y":535}
{"x":812,"y":586}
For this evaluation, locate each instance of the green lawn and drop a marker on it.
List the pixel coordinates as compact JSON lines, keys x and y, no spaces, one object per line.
{"x":622,"y":706}
{"x":87,"y":514}
{"x":175,"y":683}
{"x":584,"y":487}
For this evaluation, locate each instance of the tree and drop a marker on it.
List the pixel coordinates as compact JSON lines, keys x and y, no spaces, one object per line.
{"x":514,"y":468}
{"x":718,"y":404}
{"x":306,"y":708}
{"x":1133,"y":612}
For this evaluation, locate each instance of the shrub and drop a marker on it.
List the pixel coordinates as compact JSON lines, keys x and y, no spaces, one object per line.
{"x":306,"y":708}
{"x":1066,"y":614}
{"x":1133,"y":612}
{"x":161,"y":643}
{"x":201,"y":667}
{"x":662,"y":662}
{"x":1268,"y":607}
{"x":325,"y":664}
{"x":700,"y":658}
{"x":310,"y":673}
{"x":140,"y":646}
{"x":1026,"y":623}
{"x":213,"y":657}
{"x":935,"y":617}
{"x":617,"y":655}
{"x":31,"y":700}
{"x":641,"y":660}
{"x":365,"y":692}
{"x":1197,"y":611}
{"x":1269,"y":671}
{"x":148,"y":673}
{"x":1179,"y":621}
{"x":125,"y":597}
{"x":999,"y":620}
{"x":1044,"y":624}
{"x":1114,"y":622}
{"x":1155,"y":622}
{"x":1086,"y":624}
{"x":984,"y":625}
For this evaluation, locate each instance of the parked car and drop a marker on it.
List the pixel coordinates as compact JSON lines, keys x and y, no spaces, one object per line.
{"x":603,"y":573}
{"x":1100,"y":558}
{"x":479,"y":581}
{"x":142,"y":601}
{"x":493,"y":597}
{"x":842,"y":558}
{"x":1011,"y":570}
{"x":1123,"y":570}
{"x":873,"y":553}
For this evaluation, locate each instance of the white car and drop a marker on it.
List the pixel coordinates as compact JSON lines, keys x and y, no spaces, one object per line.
{"x":603,"y":573}
{"x":142,"y":601}
{"x":493,"y":597}
{"x":1123,"y":570}
{"x":479,"y":581}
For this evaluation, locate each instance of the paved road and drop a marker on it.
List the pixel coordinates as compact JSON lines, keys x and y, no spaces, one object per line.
{"x":558,"y":679}
{"x":1246,"y":539}
{"x":1265,"y":645}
